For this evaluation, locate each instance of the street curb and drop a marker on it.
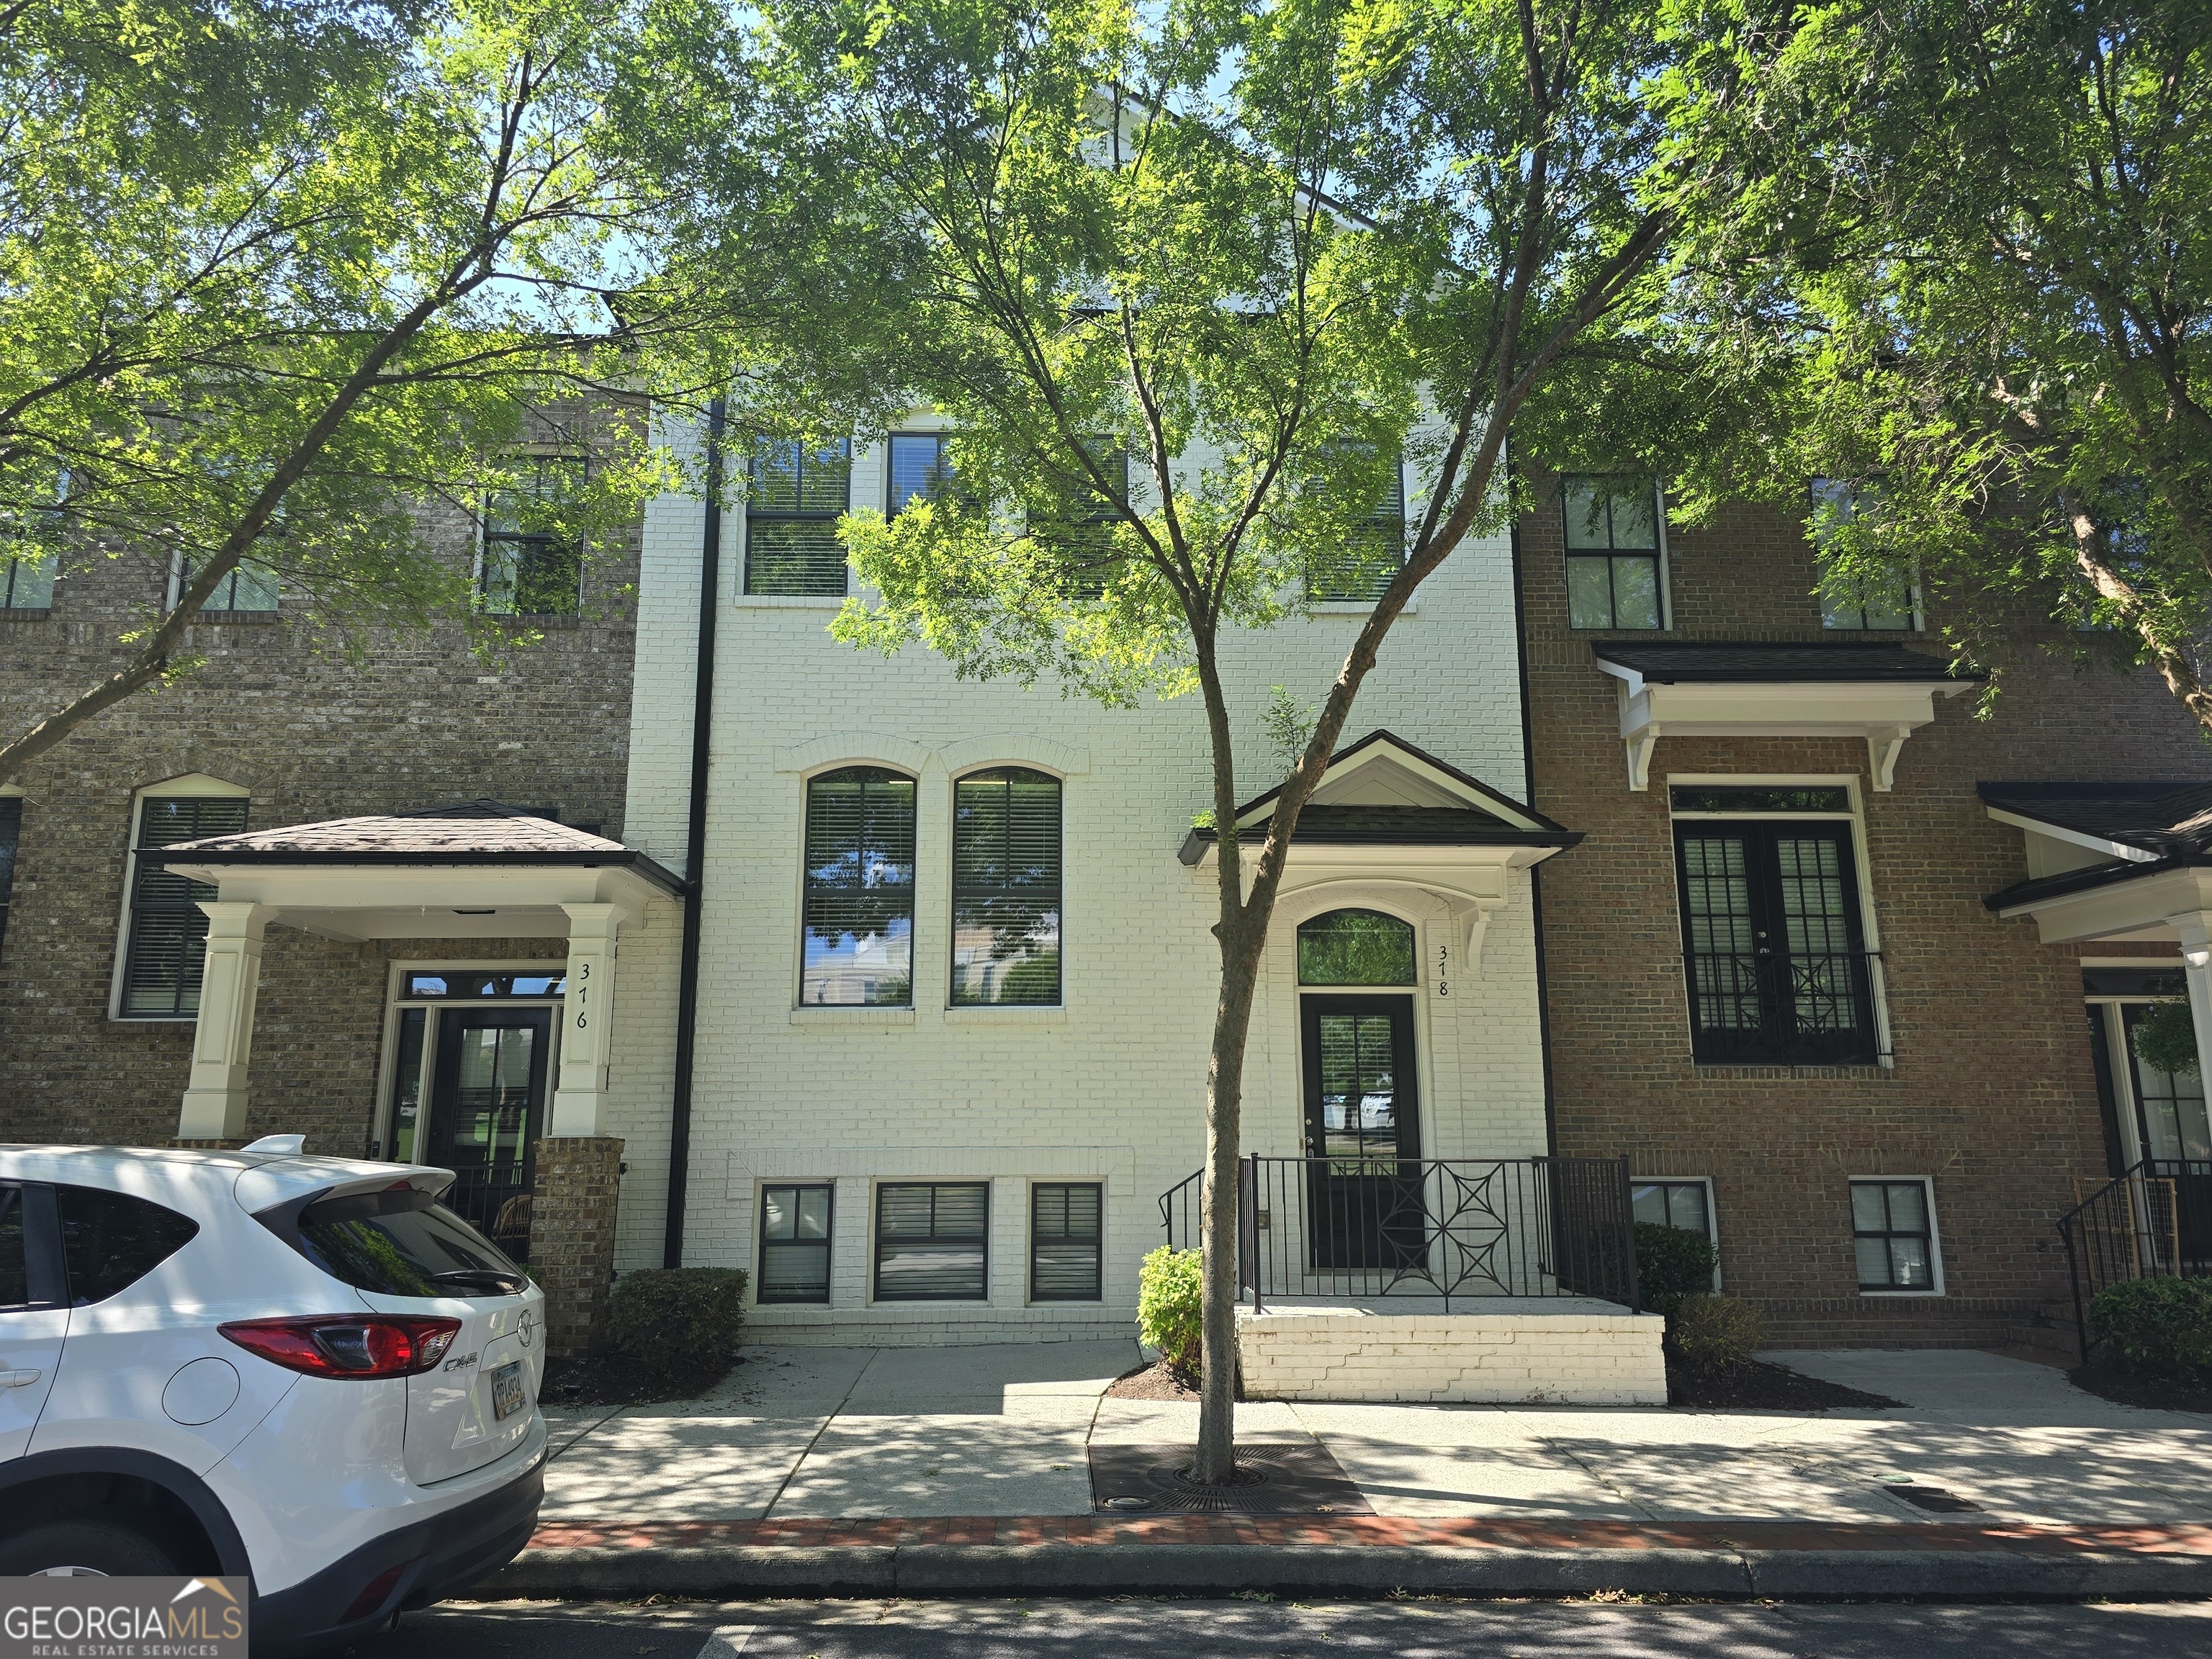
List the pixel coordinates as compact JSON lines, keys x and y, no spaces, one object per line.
{"x":933,"y":1569}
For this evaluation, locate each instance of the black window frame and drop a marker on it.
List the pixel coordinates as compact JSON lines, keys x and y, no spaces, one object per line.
{"x":825,"y":1245}
{"x":1613,"y":553}
{"x":46,"y":1272}
{"x":829,"y":579}
{"x":176,"y":1222}
{"x":1082,"y":536}
{"x":981,"y":1240}
{"x":563,"y":556}
{"x":1770,"y":977}
{"x":1096,"y":1239}
{"x":1666,"y":1185}
{"x":816,"y":893}
{"x":11,"y":846}
{"x":155,"y":893}
{"x":944,"y":486}
{"x":1835,"y":614}
{"x":1890,"y":1230}
{"x":967,"y":893}
{"x":42,"y":572}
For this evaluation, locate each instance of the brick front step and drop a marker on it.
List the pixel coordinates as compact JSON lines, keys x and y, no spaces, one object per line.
{"x":1357,"y":1555}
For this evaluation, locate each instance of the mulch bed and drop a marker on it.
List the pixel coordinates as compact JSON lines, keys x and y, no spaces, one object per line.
{"x":617,"y":1379}
{"x":1153,"y":1381}
{"x":2164,"y":1394}
{"x":1757,"y":1386}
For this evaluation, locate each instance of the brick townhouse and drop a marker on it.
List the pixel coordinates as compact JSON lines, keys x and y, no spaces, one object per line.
{"x":402,"y":852}
{"x":1846,"y":970}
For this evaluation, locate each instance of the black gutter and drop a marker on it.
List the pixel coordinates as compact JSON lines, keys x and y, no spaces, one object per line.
{"x":1535,"y":871}
{"x":695,"y":846}
{"x":262,"y":858}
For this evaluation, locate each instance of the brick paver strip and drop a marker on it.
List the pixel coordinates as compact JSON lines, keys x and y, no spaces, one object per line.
{"x":1396,"y":1531}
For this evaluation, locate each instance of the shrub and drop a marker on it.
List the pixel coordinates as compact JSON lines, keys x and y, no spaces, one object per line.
{"x":1169,"y":1297}
{"x":1671,"y":1263}
{"x":1707,"y":1332}
{"x":2162,"y":1325}
{"x":675,"y":1320}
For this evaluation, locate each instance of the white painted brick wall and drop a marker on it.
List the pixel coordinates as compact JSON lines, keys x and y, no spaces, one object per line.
{"x":1578,"y":1357}
{"x":1113,"y":1088}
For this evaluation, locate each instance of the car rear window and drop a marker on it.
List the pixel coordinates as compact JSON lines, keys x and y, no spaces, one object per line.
{"x":109,"y":1240}
{"x":402,"y":1243}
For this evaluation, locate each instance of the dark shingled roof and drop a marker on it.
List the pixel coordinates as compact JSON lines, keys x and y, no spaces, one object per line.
{"x":1411,"y":826}
{"x":2158,"y":814}
{"x":1667,"y":662}
{"x":485,"y":832}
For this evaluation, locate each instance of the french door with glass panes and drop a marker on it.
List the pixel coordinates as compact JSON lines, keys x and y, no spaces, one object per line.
{"x":1363,"y":1120}
{"x":2161,"y":1117}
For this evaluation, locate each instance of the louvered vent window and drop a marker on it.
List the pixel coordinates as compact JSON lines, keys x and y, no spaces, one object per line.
{"x":859,"y":890}
{"x":1005,"y":888}
{"x":792,"y":510}
{"x":931,"y":1241}
{"x":1064,"y":1240}
{"x":167,"y":945}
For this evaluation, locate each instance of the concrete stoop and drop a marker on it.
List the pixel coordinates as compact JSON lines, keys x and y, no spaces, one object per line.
{"x":1362,"y":1555}
{"x":1566,"y":1350}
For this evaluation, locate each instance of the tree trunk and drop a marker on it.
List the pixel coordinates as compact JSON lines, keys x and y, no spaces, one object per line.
{"x":1225,"y":1101}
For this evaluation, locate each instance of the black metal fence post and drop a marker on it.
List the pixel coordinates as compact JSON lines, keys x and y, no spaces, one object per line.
{"x":1628,"y":1234}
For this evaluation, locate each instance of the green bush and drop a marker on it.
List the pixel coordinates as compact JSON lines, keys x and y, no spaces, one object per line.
{"x":679,"y":1319}
{"x":1169,"y":1294}
{"x":2165,"y":1037}
{"x":1707,"y":1332}
{"x":1671,"y":1263}
{"x":2162,"y":1325}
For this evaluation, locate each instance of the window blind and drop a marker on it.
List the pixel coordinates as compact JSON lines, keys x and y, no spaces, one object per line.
{"x":1006,"y":888}
{"x":167,"y":948}
{"x":859,"y":945}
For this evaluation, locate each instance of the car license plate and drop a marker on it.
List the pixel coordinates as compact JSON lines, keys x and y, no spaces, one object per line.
{"x":507,"y":1395}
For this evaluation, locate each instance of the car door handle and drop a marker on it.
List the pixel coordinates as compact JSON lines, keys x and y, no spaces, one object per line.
{"x":19,"y":1379}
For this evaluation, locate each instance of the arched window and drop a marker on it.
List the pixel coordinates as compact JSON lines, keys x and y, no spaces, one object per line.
{"x":860,"y":890}
{"x":1355,"y":947}
{"x":1005,"y":888}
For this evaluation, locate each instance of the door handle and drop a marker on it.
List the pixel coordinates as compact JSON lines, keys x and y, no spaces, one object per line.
{"x":19,"y":1379}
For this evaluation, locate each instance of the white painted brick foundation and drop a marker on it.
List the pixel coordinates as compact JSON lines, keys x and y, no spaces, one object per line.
{"x":1573,"y":1353}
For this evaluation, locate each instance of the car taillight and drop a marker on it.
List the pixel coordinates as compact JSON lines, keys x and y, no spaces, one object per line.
{"x":348,"y":1344}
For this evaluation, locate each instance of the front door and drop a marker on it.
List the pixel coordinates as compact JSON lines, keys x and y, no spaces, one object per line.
{"x":486,"y":1110}
{"x":1363,"y":1118}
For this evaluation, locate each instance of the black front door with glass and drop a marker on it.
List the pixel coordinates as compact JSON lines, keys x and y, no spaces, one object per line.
{"x":486,"y":1110}
{"x":1778,"y":969}
{"x":1363,"y":1118}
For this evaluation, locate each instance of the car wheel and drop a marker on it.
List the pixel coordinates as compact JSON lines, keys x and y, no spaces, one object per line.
{"x":94,"y":1544}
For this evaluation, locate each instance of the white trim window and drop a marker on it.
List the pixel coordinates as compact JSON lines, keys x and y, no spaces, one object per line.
{"x":856,"y":947}
{"x":794,"y":497}
{"x":1893,"y":1236}
{"x":1006,"y":860}
{"x":162,"y":949}
{"x":1682,"y":1201}
{"x":1616,"y":553}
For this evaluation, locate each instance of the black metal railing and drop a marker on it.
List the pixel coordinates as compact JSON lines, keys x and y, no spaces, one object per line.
{"x":495,"y":1200}
{"x":2153,"y":1220}
{"x":1447,"y":1228}
{"x":1781,"y":1007}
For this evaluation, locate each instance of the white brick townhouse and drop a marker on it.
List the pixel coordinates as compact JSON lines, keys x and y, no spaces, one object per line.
{"x":953,"y":974}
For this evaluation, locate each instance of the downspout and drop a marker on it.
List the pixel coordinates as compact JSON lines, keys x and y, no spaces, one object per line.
{"x":695,"y":845}
{"x":1535,"y":872}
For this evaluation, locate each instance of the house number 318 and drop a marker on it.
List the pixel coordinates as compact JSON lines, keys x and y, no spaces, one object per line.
{"x":1444,"y":957}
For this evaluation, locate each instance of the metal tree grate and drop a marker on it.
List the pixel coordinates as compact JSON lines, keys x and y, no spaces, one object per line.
{"x":1299,"y":1478}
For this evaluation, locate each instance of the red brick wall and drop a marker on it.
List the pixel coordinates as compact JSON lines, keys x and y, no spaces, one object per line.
{"x":1992,"y":1092}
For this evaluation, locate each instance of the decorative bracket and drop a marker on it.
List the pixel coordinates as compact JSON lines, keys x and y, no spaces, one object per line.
{"x":1883,"y":743}
{"x":1641,"y":742}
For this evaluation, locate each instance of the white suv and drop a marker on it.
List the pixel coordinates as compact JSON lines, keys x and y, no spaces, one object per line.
{"x":302,"y":1369}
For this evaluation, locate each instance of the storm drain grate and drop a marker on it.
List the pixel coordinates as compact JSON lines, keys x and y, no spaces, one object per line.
{"x":1930,"y":1498}
{"x":1294,"y":1478}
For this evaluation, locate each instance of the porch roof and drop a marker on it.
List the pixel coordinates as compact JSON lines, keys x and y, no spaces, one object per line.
{"x":472,"y":869}
{"x":1833,"y":662}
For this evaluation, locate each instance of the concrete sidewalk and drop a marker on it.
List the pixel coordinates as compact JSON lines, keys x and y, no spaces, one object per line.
{"x":880,"y":1470}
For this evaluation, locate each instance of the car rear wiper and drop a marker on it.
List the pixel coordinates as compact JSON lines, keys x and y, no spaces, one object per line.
{"x":506,"y":1283}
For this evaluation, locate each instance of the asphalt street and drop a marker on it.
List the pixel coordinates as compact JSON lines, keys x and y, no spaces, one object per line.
{"x":1410,"y":1629}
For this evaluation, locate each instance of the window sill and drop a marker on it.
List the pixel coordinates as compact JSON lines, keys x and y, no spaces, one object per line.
{"x":852,"y":1016}
{"x":235,"y":619}
{"x":1753,"y":1070}
{"x":789,"y":601}
{"x":25,"y":612}
{"x":1360,"y":607}
{"x":134,"y":1021}
{"x":549,"y":619}
{"x":1910,"y":1296}
{"x":984,"y":1014}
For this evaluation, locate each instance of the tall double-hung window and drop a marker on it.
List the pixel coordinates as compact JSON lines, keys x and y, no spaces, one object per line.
{"x":1372,"y":551}
{"x":920,"y":470}
{"x":793,"y":503}
{"x":858,"y":950}
{"x":1772,"y":931}
{"x":1005,"y":888}
{"x":1081,"y":532}
{"x":533,"y":562}
{"x":165,"y":932}
{"x":1615,"y":574}
{"x":1886,"y":606}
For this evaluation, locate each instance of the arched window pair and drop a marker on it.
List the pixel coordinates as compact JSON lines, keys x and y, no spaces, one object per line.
{"x":859,"y":908}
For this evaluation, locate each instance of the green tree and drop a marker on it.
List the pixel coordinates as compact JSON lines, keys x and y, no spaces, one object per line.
{"x":273,"y":276}
{"x":1984,"y":320}
{"x":1187,"y":282}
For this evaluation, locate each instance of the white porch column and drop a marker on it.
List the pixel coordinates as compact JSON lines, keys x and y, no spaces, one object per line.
{"x":215,"y":1101}
{"x":2195,"y":930}
{"x":580,"y":1102}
